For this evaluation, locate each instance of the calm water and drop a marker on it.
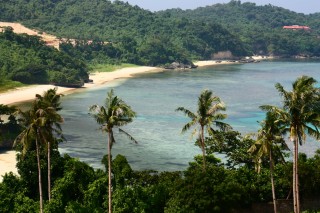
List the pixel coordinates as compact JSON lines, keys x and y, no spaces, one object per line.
{"x":158,"y":127}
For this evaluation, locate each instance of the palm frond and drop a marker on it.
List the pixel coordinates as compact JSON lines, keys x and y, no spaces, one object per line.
{"x":128,"y":135}
{"x":188,"y":126}
{"x":187,"y":112}
{"x":223,"y":126}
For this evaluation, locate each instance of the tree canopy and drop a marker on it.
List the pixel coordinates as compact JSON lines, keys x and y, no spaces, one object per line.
{"x":260,"y":28}
{"x":27,"y":59}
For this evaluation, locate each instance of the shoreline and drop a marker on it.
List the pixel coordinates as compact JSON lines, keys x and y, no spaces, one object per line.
{"x":22,"y":94}
{"x":8,"y":163}
{"x":27,"y":93}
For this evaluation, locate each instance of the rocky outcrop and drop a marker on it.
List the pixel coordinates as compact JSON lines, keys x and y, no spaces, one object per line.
{"x":178,"y":65}
{"x":248,"y":60}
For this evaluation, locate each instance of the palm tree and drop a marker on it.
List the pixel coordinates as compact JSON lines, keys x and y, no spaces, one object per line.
{"x":32,"y":120}
{"x":207,"y":115}
{"x":50,"y":103}
{"x":114,"y":113}
{"x":40,"y":122}
{"x":267,"y":144}
{"x":301,"y":116}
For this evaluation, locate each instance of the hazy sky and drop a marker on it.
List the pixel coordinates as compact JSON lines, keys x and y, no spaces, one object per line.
{"x":301,"y":6}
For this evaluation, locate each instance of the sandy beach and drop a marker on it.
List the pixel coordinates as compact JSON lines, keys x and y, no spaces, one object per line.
{"x":27,"y":93}
{"x":7,"y":163}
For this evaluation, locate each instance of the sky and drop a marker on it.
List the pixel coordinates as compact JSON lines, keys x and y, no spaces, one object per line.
{"x":300,"y":6}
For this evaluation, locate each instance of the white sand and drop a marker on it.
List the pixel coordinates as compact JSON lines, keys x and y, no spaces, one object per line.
{"x":18,"y":28}
{"x":22,"y":94}
{"x":7,"y":163}
{"x":211,"y":63}
{"x":222,"y":62}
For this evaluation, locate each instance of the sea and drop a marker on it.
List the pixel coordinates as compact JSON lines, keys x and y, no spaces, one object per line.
{"x":155,"y":97}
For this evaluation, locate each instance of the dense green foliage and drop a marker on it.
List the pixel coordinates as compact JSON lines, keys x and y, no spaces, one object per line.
{"x":28,"y":60}
{"x":226,"y":186}
{"x":9,"y":129}
{"x":260,"y":27}
{"x":129,"y":33}
{"x":174,"y":34}
{"x":116,"y":32}
{"x":79,"y":188}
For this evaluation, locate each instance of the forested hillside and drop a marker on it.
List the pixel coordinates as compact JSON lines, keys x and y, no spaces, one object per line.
{"x":260,"y":27}
{"x":116,"y":32}
{"x":140,"y":36}
{"x":28,"y":60}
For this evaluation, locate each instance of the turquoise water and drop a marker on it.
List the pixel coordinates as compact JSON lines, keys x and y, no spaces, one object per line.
{"x":155,"y":97}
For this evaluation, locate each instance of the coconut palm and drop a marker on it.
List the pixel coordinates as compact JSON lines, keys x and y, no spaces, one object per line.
{"x":40,"y":123}
{"x":32,"y":120}
{"x":301,"y":116}
{"x":269,"y":143}
{"x":208,"y":114}
{"x":50,"y":103}
{"x":114,"y":113}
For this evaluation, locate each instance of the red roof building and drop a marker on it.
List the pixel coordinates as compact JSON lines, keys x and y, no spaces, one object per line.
{"x":296,"y":27}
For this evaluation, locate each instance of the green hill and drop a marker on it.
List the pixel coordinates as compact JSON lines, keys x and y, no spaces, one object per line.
{"x":116,"y":32}
{"x":260,"y":27}
{"x":137,"y":36}
{"x":28,"y":60}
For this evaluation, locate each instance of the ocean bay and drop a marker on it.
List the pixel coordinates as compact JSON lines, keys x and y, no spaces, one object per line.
{"x":155,"y":96}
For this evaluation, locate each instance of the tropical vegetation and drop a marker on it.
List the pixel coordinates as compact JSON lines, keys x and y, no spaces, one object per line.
{"x":208,"y":114}
{"x":260,"y":28}
{"x":28,"y":60}
{"x":96,"y":32}
{"x":231,"y":185}
{"x":115,"y":113}
{"x":126,"y":33}
{"x":255,"y":169}
{"x":269,"y":143}
{"x":299,"y":115}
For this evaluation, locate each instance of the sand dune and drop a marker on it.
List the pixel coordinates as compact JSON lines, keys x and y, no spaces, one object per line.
{"x":18,"y":28}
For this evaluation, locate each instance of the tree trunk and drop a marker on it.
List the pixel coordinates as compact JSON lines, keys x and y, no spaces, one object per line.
{"x":297,"y":177}
{"x":49,"y":166}
{"x":109,"y":172}
{"x":272,"y":184}
{"x":49,"y":171}
{"x":296,"y":203}
{"x":203,"y":148}
{"x":39,"y":174}
{"x":294,"y":178}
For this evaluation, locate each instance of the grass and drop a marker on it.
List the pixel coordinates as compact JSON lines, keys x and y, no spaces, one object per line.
{"x":6,"y":85}
{"x":110,"y":67}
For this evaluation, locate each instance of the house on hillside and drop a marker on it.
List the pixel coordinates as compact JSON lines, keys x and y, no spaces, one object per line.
{"x":297,"y":27}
